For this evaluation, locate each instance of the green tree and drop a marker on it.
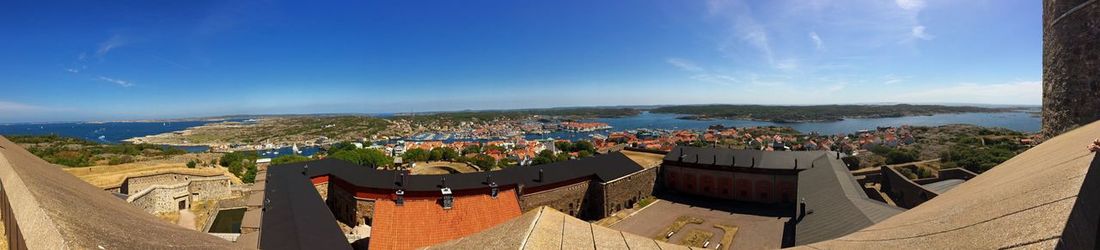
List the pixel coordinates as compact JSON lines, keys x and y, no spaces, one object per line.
{"x":191,"y":164}
{"x":484,"y":161}
{"x":582,"y":146}
{"x":342,"y":146}
{"x":472,"y":149}
{"x":415,"y":154}
{"x":539,"y":160}
{"x":286,"y":159}
{"x":506,"y":162}
{"x":564,"y":146}
{"x":450,"y":154}
{"x":436,"y":154}
{"x":584,"y":154}
{"x":364,"y":157}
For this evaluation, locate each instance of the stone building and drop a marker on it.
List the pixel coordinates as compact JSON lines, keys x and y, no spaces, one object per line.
{"x":741,"y":175}
{"x":167,"y":192}
{"x":1071,"y":64}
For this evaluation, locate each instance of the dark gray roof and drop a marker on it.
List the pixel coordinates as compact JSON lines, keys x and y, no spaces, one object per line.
{"x":838,"y":202}
{"x":603,"y":168}
{"x":297,"y":218}
{"x":745,"y":158}
{"x":943,"y":186}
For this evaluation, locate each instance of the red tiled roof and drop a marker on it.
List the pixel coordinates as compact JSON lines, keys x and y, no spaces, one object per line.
{"x":423,"y":222}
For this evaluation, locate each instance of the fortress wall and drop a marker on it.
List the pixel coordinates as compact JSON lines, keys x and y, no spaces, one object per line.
{"x":622,"y":193}
{"x":573,"y":199}
{"x":1071,"y":64}
{"x":904,"y":192}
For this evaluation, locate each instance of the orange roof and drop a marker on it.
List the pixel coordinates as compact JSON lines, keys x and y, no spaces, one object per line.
{"x":423,"y":222}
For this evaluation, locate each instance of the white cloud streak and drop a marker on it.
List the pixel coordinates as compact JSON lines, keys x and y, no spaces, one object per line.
{"x":112,"y":43}
{"x":122,"y":83}
{"x":820,"y":45}
{"x":684,"y":64}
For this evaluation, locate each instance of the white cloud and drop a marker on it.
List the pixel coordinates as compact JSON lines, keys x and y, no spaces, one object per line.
{"x":817,"y":40}
{"x":918,"y":32}
{"x":106,"y":46}
{"x":912,"y":5}
{"x":684,"y":64}
{"x":717,"y":79}
{"x":1024,"y":92}
{"x":72,"y":70}
{"x":122,"y":83}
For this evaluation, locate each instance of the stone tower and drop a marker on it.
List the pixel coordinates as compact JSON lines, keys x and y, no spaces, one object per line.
{"x":1071,"y":64}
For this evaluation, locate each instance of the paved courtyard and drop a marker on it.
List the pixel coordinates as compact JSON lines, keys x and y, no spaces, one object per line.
{"x":756,"y":230}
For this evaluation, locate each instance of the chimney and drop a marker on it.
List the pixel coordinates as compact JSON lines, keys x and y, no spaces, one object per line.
{"x":733,"y":160}
{"x":443,"y":181}
{"x":795,"y":163}
{"x":489,"y":178}
{"x":715,"y":160}
{"x":305,"y":168}
{"x":402,"y":181}
{"x":753,"y":163}
{"x":540,"y":175}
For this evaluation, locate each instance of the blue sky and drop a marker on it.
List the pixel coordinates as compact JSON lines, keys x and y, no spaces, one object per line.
{"x":105,"y":60}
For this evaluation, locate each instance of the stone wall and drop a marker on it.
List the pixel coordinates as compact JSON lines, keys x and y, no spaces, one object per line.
{"x":210,"y":188}
{"x":573,"y":199}
{"x":905,"y":193}
{"x":624,"y":192}
{"x":752,"y":187}
{"x":364,"y":212}
{"x":139,"y":183}
{"x":162,"y":198}
{"x":322,"y":189}
{"x":1071,"y":64}
{"x":343,"y":205}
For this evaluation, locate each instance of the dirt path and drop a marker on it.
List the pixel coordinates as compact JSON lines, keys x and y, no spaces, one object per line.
{"x":187,"y":219}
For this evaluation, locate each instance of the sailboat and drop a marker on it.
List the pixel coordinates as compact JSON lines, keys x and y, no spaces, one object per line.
{"x":294,"y":148}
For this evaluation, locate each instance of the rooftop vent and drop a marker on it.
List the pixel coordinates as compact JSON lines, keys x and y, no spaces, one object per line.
{"x":448,"y":198}
{"x":493,"y":190}
{"x":400,"y":197}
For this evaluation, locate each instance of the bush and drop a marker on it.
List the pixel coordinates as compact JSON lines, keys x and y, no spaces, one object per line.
{"x":191,"y":164}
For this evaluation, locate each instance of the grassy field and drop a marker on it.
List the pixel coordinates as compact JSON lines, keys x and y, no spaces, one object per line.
{"x":441,"y":167}
{"x":113,"y":175}
{"x":696,"y":238}
{"x":727,"y":236}
{"x":647,"y":160}
{"x":677,"y":225}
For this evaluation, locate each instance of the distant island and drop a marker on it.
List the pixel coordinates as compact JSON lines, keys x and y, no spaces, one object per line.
{"x":815,"y":113}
